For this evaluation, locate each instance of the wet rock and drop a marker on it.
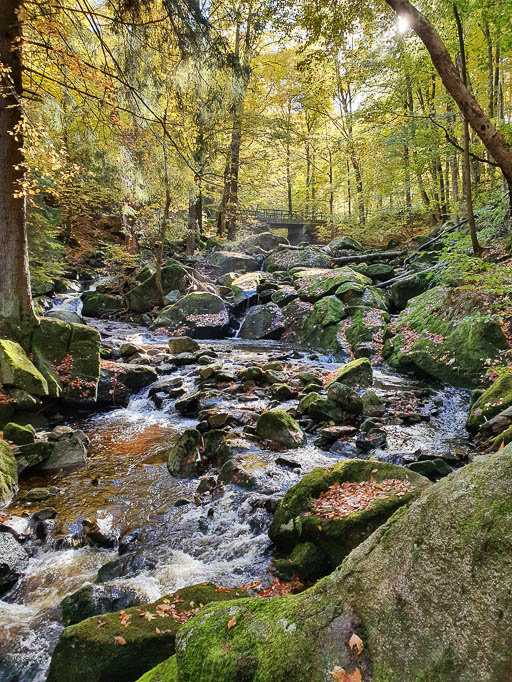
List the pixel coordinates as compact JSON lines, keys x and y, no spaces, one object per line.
{"x":355,"y":373}
{"x":309,"y":378}
{"x":182,"y":502}
{"x":217,"y":420}
{"x":376,"y":438}
{"x":314,"y":284}
{"x":13,"y":561}
{"x":95,"y":535}
{"x":345,"y":397}
{"x":97,"y":305}
{"x":272,"y":376}
{"x":278,"y":426}
{"x":94,"y":600}
{"x":90,"y":653}
{"x":185,"y":455}
{"x":189,"y":404}
{"x":118,"y":381}
{"x":8,"y":472}
{"x":44,"y":514}
{"x":126,"y":566}
{"x":37,"y":494}
{"x":19,"y":527}
{"x":128,"y":349}
{"x":199,"y":315}
{"x":407,"y":288}
{"x":344,"y":244}
{"x":245,"y":288}
{"x":205,"y":485}
{"x":232,"y":472}
{"x":183,"y":359}
{"x":321,"y":409}
{"x":233,"y":261}
{"x":493,"y":401}
{"x":182,"y":344}
{"x":166,"y":386}
{"x":66,"y":453}
{"x":263,"y":322}
{"x":373,"y":406}
{"x":218,"y":447}
{"x":32,"y":454}
{"x":265,"y":241}
{"x":19,"y":435}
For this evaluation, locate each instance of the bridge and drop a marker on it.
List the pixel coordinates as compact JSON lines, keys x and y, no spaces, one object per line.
{"x":298,"y":223}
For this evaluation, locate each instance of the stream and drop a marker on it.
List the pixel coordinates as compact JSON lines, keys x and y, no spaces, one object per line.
{"x":126,"y":487}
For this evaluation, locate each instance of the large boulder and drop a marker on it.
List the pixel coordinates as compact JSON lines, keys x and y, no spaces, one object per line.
{"x":407,"y":288}
{"x":120,"y":380}
{"x":68,"y":452}
{"x":316,"y":326}
{"x":144,"y":297}
{"x":99,"y":305}
{"x":286,"y":259}
{"x":129,"y":642}
{"x":280,"y":427}
{"x":68,"y":355}
{"x":426,"y":596}
{"x":8,"y":473}
{"x":344,"y":244}
{"x":366,"y":331}
{"x":199,"y":315}
{"x":313,"y":284}
{"x":64,"y":316}
{"x":13,"y":561}
{"x":263,"y":322}
{"x":93,"y":600}
{"x":355,"y":373}
{"x":233,"y":261}
{"x":447,"y":334}
{"x":264,"y":241}
{"x":185,"y":454}
{"x":19,"y":435}
{"x":336,"y":508}
{"x":18,"y":371}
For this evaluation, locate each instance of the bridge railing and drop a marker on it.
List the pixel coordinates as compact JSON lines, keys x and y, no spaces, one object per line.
{"x":282,"y":214}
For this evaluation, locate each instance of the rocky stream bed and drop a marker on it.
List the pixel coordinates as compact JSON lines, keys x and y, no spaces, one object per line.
{"x":179,"y":536}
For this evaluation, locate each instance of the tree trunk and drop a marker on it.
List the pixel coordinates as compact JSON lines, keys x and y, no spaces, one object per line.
{"x":467,"y":162}
{"x":359,"y":188}
{"x":161,"y":245}
{"x":16,"y":311}
{"x":289,"y":180}
{"x":471,"y":110}
{"x":221,"y":218}
{"x":191,"y":225}
{"x":232,"y":202}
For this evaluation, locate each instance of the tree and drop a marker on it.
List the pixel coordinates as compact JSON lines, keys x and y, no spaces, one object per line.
{"x":16,"y":310}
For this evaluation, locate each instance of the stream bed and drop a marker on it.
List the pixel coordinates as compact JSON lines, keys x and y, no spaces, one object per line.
{"x":126,"y":488}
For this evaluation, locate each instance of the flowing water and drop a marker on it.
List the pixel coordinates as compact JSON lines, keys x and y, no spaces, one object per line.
{"x":126,"y":488}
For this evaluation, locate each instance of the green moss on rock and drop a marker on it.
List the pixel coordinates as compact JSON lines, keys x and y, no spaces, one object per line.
{"x":88,"y":653}
{"x":184,"y":454}
{"x":447,"y":334}
{"x":355,"y":373}
{"x":19,"y":435}
{"x":18,"y":371}
{"x":491,"y":402}
{"x":280,"y":427}
{"x":428,"y":593}
{"x":8,"y":473}
{"x":199,"y":315}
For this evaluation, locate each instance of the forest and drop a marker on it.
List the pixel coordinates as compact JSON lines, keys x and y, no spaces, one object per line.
{"x":255,"y":340}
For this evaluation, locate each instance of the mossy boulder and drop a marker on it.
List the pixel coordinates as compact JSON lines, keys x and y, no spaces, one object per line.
{"x":447,"y":334}
{"x":280,"y":427}
{"x":407,"y":288}
{"x":321,"y":409}
{"x":68,"y":355}
{"x":32,"y":454}
{"x":285,"y":259}
{"x":18,"y":371}
{"x":144,"y":297}
{"x":295,"y":522}
{"x":120,"y":380}
{"x":427,"y":593}
{"x":344,"y":244}
{"x":492,"y":401}
{"x":8,"y":473}
{"x":315,"y":326}
{"x":355,"y":373}
{"x":263,"y":322}
{"x":65,"y":316}
{"x":266,"y":241}
{"x":366,"y":331}
{"x":312,"y":284}
{"x":185,"y":454}
{"x":88,"y":653}
{"x":199,"y":315}
{"x":182,"y":344}
{"x":19,"y":435}
{"x":232,"y":261}
{"x":92,"y":600}
{"x":100,"y":305}
{"x":345,"y":397}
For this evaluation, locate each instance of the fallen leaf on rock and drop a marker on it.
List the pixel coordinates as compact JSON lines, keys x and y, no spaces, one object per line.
{"x":340,"y":675}
{"x":101,"y":623}
{"x":120,"y":640}
{"x":149,"y":616}
{"x":231,"y":622}
{"x":356,"y":642}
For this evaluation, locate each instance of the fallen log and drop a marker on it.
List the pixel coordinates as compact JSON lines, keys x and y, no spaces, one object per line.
{"x":404,"y":275}
{"x":368,"y":257}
